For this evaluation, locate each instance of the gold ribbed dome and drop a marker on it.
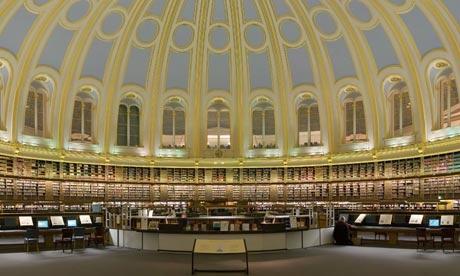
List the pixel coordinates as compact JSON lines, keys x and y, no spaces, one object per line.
{"x":242,"y":79}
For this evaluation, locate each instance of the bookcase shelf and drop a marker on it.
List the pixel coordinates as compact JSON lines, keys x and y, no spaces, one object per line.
{"x":423,"y":178}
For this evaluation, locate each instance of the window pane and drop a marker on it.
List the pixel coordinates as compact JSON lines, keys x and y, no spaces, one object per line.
{"x":212,"y":119}
{"x":167,"y":122}
{"x":257,"y":122}
{"x":444,"y":103}
{"x":396,"y":113}
{"x":180,"y":122}
{"x":218,"y":129}
{"x":315,"y":124}
{"x":29,"y":123}
{"x":302,"y":119}
{"x":302,"y":124}
{"x":76,"y":118}
{"x":360,"y":121}
{"x":213,"y":131}
{"x":225,"y":119}
{"x":349,"y":121}
{"x":134,"y":126}
{"x":75,"y":135}
{"x":309,"y":115}
{"x":88,"y":121}
{"x":455,"y":105}
{"x":41,"y":114}
{"x":122,"y":126}
{"x":407,"y":114}
{"x":270,"y":122}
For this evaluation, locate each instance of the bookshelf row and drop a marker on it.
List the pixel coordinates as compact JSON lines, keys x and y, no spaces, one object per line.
{"x":428,"y":165}
{"x":429,"y":188}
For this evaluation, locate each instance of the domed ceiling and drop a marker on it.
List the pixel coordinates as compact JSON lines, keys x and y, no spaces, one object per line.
{"x":241,"y":79}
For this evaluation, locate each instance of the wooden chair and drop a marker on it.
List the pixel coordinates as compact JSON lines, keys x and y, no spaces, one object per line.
{"x":79,"y":235}
{"x":448,"y":237}
{"x":423,"y":238}
{"x":31,"y":237}
{"x":66,"y":240}
{"x":98,"y":237}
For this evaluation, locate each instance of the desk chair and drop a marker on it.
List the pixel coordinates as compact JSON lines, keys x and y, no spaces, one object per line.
{"x":79,"y":235}
{"x":447,"y":237}
{"x":31,"y":237}
{"x":422,"y":237}
{"x":99,"y":236}
{"x":66,"y":239}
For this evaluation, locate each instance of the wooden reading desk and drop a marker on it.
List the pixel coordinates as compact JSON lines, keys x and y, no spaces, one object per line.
{"x":202,"y":246}
{"x":48,"y":234}
{"x":393,"y":232}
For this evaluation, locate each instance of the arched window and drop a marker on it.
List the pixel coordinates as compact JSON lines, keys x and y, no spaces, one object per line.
{"x":446,"y":94}
{"x":128,"y":126}
{"x":82,"y":118}
{"x":35,"y":112}
{"x":218,"y":126}
{"x":449,"y":102}
{"x":308,"y":122}
{"x":2,"y":95}
{"x":4,"y":74}
{"x":263,"y":124}
{"x":355,"y":119}
{"x":402,"y":112}
{"x":173,"y":134}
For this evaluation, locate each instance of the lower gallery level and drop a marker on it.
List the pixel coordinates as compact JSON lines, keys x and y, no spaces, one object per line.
{"x":272,"y":207}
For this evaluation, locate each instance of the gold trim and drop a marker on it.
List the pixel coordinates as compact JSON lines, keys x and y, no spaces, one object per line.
{"x":41,"y":78}
{"x":441,"y":64}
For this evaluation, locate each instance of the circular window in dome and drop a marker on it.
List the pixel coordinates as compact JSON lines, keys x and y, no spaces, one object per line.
{"x":183,"y":36}
{"x":359,"y":11}
{"x":112,"y":23}
{"x":325,"y":23}
{"x":255,"y":36}
{"x":290,"y":31}
{"x":397,"y":2}
{"x":219,"y":37}
{"x":147,"y":31}
{"x":41,"y":2}
{"x":78,"y":11}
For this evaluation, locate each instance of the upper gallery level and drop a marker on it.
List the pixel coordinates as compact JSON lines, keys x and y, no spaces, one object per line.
{"x":219,"y":80}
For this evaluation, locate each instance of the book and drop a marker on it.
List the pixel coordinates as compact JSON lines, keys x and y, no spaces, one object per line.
{"x":85,"y":219}
{"x":224,"y":225}
{"x":26,"y":221}
{"x":385,"y":219}
{"x":360,"y":218}
{"x":57,"y":221}
{"x":447,"y":220}
{"x":415,"y":219}
{"x":293,"y":222}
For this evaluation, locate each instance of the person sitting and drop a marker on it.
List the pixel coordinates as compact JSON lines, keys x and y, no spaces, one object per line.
{"x":342,"y":235}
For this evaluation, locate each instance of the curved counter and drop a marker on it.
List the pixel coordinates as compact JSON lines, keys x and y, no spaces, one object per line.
{"x":256,"y":240}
